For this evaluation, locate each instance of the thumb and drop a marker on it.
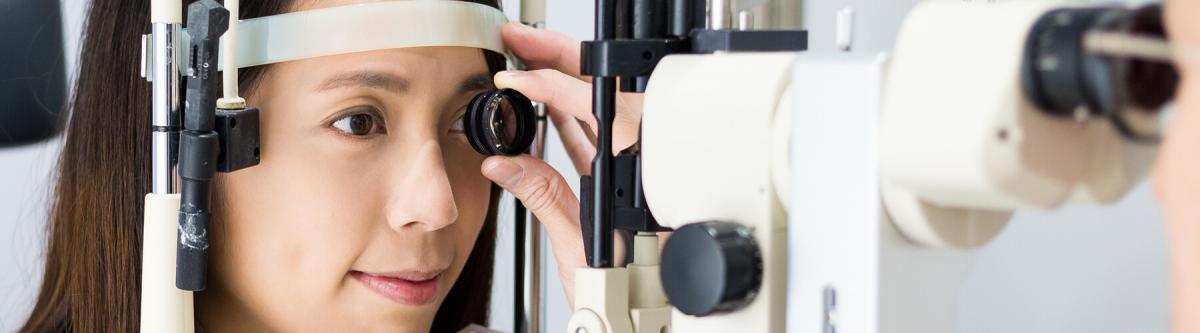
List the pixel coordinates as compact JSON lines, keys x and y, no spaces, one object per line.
{"x":538,"y":186}
{"x":546,"y":194}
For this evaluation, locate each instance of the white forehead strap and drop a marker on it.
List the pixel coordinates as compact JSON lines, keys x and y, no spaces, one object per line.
{"x":367,"y":27}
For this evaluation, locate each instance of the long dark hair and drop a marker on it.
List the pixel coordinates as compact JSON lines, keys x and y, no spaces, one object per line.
{"x":92,"y":277}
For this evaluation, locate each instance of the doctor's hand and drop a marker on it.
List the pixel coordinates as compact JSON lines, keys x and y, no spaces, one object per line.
{"x":554,"y":79}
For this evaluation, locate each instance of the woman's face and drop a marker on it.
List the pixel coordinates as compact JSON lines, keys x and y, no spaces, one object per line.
{"x":367,"y":201}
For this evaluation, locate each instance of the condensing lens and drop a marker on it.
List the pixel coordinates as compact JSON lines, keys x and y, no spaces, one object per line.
{"x":500,"y":122}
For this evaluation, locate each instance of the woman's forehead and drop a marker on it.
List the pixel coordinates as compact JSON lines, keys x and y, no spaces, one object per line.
{"x":301,"y":5}
{"x":445,"y":62}
{"x":453,"y":70}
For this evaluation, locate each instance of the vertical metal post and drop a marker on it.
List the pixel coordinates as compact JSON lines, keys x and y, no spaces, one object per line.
{"x":533,"y":254}
{"x":164,"y":78}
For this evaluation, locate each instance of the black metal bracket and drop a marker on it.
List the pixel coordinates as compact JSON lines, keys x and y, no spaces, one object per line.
{"x":629,"y":206}
{"x":709,"y":41}
{"x":238,"y":133}
{"x":627,"y":57}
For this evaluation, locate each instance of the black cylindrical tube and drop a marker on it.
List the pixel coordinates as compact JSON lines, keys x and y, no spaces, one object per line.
{"x":604,"y":108}
{"x":604,"y":92}
{"x":649,"y":18}
{"x":681,"y":18}
{"x":197,"y":154}
{"x":519,"y":323}
{"x":191,"y":253}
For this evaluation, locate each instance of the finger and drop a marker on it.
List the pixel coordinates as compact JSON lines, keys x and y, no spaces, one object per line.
{"x":575,"y":141}
{"x":539,"y":48}
{"x":627,"y":122}
{"x":564,"y":94}
{"x":538,"y":186}
{"x":547,"y":196}
{"x":558,"y":91}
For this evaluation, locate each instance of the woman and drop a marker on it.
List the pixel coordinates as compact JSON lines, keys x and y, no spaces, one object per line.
{"x":369,"y":210}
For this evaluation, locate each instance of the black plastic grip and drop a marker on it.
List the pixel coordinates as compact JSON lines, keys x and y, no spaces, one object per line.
{"x":585,"y":216}
{"x":191,"y":254}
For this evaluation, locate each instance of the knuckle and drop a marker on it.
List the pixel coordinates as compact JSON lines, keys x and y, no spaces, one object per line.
{"x":541,"y":194}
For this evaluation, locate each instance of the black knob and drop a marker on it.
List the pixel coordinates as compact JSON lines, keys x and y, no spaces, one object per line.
{"x":711,"y":267}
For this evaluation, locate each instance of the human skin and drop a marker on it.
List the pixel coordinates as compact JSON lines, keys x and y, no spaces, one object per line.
{"x":364,"y":174}
{"x":554,"y":79}
{"x":1176,"y":174}
{"x":365,"y":171}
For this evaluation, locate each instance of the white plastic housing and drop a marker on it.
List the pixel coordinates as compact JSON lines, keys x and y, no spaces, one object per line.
{"x":164,"y":307}
{"x":956,"y":127}
{"x":839,"y":236}
{"x":708,"y":149}
{"x":961,"y":146}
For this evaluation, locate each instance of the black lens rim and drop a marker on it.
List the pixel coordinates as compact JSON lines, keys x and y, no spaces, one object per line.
{"x":478,"y":127}
{"x":1083,"y":79}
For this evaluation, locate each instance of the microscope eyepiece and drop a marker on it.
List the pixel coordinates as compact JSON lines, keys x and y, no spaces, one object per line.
{"x":1062,"y":77}
{"x":500,"y":122}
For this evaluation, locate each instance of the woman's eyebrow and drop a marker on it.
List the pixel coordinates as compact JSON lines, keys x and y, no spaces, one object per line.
{"x":477,"y":82}
{"x":366,"y":78}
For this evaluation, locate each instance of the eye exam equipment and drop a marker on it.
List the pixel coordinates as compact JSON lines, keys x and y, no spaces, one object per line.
{"x":760,"y":244}
{"x":164,"y":308}
{"x":1017,"y":107}
{"x":942,"y":140}
{"x":214,"y":134}
{"x":635,"y":43}
{"x":211,"y":135}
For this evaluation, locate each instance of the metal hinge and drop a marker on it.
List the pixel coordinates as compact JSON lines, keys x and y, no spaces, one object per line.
{"x":147,"y":69}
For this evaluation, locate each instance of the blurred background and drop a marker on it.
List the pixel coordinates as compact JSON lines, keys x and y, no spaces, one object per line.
{"x":1082,"y":269}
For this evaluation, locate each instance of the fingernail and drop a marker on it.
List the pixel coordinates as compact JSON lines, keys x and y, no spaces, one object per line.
{"x":521,"y":26}
{"x":504,"y":79}
{"x":503,"y":171}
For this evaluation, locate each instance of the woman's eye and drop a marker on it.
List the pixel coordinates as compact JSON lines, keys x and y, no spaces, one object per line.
{"x":358,"y":124}
{"x":457,"y":126}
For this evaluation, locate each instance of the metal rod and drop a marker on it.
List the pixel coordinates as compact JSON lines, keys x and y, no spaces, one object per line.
{"x":519,"y":232}
{"x":603,"y":107}
{"x":1126,"y":45}
{"x":718,"y":12}
{"x":527,"y":313}
{"x":164,"y":78}
{"x":533,"y":291}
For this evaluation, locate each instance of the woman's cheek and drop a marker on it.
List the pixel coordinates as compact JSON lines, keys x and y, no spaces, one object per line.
{"x":296,"y":228}
{"x":472,"y":192}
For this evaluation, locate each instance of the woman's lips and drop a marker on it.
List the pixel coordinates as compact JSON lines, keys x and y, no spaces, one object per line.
{"x":413,"y":288}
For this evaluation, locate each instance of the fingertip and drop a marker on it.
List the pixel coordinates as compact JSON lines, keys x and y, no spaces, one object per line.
{"x":515,"y":27}
{"x":513,"y":33}
{"x":503,"y":170}
{"x":507,"y":78}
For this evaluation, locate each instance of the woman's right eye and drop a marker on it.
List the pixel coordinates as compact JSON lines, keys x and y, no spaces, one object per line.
{"x":359,"y":124}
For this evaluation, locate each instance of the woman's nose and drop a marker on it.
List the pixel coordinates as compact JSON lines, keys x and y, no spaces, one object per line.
{"x":421,"y":197}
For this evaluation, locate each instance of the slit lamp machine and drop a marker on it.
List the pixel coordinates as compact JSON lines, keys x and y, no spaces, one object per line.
{"x":858,"y":191}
